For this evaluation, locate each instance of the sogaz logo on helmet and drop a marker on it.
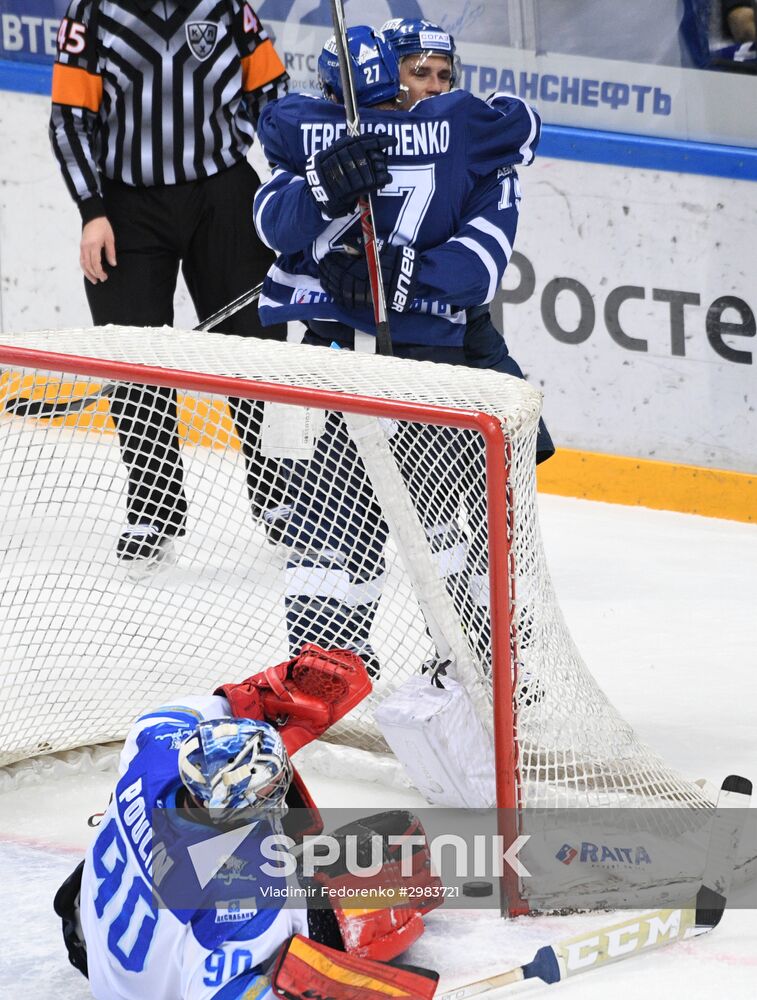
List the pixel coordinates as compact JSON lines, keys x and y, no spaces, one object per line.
{"x":435,"y":40}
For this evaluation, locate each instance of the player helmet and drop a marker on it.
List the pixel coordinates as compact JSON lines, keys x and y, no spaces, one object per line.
{"x":375,"y":69}
{"x":409,"y":37}
{"x":229,"y":764}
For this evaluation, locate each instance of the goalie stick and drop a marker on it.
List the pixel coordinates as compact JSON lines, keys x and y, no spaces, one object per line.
{"x":605,"y":945}
{"x":383,"y":336}
{"x":23,"y":406}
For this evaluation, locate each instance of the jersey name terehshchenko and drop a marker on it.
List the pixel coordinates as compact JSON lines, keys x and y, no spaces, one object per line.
{"x":423,"y":138}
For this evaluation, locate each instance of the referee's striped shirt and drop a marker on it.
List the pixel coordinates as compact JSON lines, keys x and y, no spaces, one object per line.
{"x":155,"y":92}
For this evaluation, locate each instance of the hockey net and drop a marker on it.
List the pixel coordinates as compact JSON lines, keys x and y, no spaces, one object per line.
{"x":431,"y":526}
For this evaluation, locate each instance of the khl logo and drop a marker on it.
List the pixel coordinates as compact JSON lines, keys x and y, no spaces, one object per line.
{"x":201,"y":37}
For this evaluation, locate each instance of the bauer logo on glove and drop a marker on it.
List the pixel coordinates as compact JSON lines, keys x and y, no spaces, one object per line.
{"x":344,"y":275}
{"x":354,"y":165}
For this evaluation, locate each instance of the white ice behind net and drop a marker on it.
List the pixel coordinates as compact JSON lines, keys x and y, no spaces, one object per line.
{"x":86,"y":646}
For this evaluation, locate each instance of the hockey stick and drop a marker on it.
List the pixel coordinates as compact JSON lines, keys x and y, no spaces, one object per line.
{"x":251,"y":295}
{"x":22,"y":406}
{"x":383,"y":335}
{"x":603,"y":946}
{"x":372,"y":446}
{"x":441,"y":619}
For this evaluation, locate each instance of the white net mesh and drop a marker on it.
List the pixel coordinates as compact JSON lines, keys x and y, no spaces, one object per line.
{"x":272,"y":553}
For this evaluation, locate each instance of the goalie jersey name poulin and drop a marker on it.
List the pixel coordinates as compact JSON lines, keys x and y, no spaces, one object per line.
{"x":135,"y":949}
{"x":453,"y":197}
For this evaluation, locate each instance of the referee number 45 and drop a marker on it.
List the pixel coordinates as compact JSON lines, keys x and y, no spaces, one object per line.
{"x":72,"y":36}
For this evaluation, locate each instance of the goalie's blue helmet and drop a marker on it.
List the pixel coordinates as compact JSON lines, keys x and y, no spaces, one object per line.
{"x":409,"y":37}
{"x":375,"y":69}
{"x":229,"y":764}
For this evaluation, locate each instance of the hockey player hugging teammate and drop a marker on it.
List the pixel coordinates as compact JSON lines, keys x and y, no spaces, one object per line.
{"x":447,"y":191}
{"x":446,"y":212}
{"x":214,"y":765}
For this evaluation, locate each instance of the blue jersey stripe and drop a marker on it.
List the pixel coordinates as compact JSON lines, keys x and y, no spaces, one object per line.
{"x":177,"y":713}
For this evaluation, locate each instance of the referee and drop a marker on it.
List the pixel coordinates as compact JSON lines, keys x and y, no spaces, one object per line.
{"x":154,"y":109}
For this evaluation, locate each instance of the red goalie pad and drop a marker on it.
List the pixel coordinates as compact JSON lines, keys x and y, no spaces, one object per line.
{"x":302,"y":696}
{"x":382,"y":931}
{"x":305,"y":969}
{"x":388,"y":917}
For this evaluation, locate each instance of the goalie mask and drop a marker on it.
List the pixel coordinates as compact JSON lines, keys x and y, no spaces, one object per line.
{"x":416,"y":37}
{"x":375,"y":70}
{"x":229,"y":764}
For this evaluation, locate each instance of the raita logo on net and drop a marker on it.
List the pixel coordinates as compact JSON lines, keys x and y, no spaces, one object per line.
{"x":603,"y":854}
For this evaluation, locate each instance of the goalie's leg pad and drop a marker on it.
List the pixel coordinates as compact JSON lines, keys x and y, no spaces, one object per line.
{"x":306,"y":969}
{"x":393,"y":919}
{"x":420,"y":883}
{"x":381,"y":932}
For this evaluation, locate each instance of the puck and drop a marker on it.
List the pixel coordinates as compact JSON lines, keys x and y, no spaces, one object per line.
{"x":477,"y":888}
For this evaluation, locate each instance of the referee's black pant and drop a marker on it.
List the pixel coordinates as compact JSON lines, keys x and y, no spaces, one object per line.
{"x":206,"y":228}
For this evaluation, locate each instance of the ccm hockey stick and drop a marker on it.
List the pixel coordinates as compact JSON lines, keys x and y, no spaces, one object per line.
{"x":603,"y":946}
{"x":383,"y":336}
{"x":22,"y":406}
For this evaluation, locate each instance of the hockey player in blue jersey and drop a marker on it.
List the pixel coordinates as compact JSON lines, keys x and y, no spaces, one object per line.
{"x":188,"y":772}
{"x":446,"y":207}
{"x":440,"y":170}
{"x":430,"y":65}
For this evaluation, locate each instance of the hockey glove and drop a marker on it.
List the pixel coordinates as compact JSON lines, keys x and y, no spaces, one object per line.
{"x":66,"y":905}
{"x":344,"y":276}
{"x":352,"y":166}
{"x":302,"y":696}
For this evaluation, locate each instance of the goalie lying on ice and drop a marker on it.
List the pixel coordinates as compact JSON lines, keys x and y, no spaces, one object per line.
{"x":197,"y":780}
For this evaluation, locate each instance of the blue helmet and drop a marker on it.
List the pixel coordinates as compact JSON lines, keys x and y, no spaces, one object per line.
{"x":375,"y":69}
{"x":408,"y":37}
{"x":229,"y":764}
